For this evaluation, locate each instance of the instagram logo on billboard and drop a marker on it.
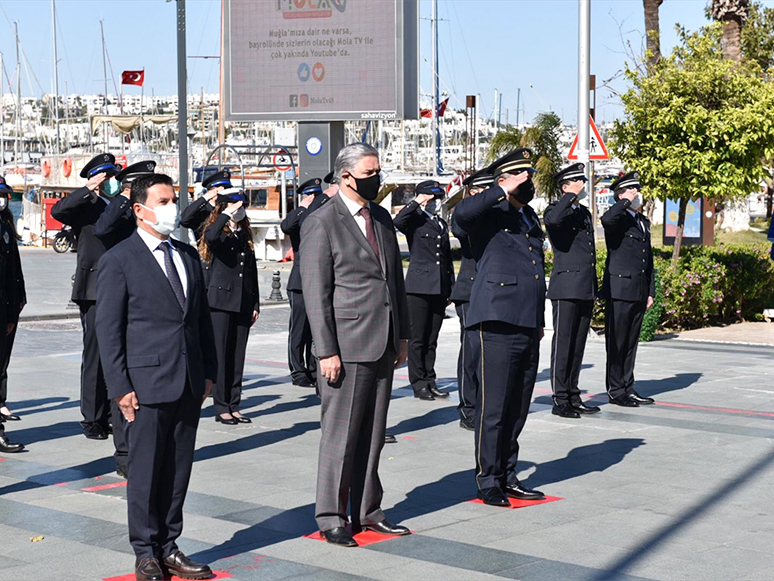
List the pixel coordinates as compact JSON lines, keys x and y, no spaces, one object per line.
{"x":304,"y":100}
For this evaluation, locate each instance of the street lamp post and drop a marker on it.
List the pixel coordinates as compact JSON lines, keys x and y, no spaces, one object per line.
{"x":584,"y":70}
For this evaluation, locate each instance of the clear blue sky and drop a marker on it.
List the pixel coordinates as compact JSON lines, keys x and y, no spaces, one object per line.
{"x":484,"y":44}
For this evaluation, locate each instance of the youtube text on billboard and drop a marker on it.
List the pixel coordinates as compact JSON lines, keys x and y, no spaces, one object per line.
{"x":320,"y":60}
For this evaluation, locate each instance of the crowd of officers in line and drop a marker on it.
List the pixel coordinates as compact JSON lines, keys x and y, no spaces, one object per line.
{"x":499,"y":294}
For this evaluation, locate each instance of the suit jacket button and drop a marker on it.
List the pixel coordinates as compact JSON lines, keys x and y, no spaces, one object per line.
{"x":240,"y":275}
{"x":386,"y":304}
{"x":437,"y":262}
{"x":527,"y":235}
{"x":537,"y":276}
{"x":530,"y":248}
{"x":502,"y":284}
{"x":184,"y":352}
{"x":439,"y":236}
{"x":533,"y":262}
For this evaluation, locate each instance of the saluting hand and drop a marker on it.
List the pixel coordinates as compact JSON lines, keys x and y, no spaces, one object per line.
{"x":331,"y":368}
{"x":306,"y":202}
{"x":232,"y":208}
{"x":128,"y":404}
{"x":422,"y":198}
{"x":512,"y":183}
{"x":210,"y":196}
{"x":402,"y":355}
{"x":95,"y":181}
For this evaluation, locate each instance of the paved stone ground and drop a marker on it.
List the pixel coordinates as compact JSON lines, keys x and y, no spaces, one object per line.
{"x":681,"y":490}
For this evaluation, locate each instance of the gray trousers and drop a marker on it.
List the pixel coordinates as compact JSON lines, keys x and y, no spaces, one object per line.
{"x":353,"y":422}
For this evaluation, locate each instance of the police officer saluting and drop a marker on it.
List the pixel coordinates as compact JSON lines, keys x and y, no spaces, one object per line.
{"x":303,"y":366}
{"x":628,"y":287}
{"x":428,"y":283}
{"x":467,"y":385}
{"x":572,"y":288}
{"x":195,"y":214}
{"x":507,"y":304}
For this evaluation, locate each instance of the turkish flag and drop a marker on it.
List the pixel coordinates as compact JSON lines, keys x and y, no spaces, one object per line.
{"x":133,"y":78}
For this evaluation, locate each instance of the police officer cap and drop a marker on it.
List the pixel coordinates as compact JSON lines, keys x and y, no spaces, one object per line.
{"x":571,"y":173}
{"x":483,"y":178}
{"x":626,"y":181}
{"x":136,"y":170}
{"x":311,"y":187}
{"x":230,"y":196}
{"x":431,"y":188}
{"x":102,"y":163}
{"x":4,"y":187}
{"x":513,"y":162}
{"x":328,"y":179}
{"x":221,"y":178}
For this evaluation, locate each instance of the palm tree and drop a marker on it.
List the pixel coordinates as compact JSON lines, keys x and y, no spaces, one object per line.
{"x":733,"y":14}
{"x":652,"y":32}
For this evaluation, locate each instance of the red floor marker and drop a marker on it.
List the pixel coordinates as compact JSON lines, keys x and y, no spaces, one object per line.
{"x":2,"y":459}
{"x":363,"y":539}
{"x":104,"y":487}
{"x":516,"y":503}
{"x":130,"y":577}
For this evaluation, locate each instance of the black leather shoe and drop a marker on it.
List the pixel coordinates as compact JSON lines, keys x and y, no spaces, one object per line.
{"x":304,"y":382}
{"x":582,"y":408}
{"x":123,"y":472}
{"x":181,"y":566}
{"x":385,"y":527}
{"x":564,"y":410}
{"x":95,"y":432}
{"x":339,"y":536}
{"x":148,"y":569}
{"x":641,"y":400}
{"x":9,"y":417}
{"x":390,"y":439}
{"x":467,"y":425}
{"x":424,"y":394}
{"x":8,"y":447}
{"x":227,"y":421}
{"x":624,"y":401}
{"x":522,"y":493}
{"x":435,"y":392}
{"x":243,"y":420}
{"x":494,"y":497}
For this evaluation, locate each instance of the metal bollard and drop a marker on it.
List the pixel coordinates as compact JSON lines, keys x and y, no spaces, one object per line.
{"x":276,"y":285}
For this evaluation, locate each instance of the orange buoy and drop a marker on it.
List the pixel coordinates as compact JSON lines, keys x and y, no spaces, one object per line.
{"x":46,"y":168}
{"x":67,"y":167}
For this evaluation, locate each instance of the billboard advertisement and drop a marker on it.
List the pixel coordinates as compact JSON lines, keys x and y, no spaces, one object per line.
{"x":320,"y":60}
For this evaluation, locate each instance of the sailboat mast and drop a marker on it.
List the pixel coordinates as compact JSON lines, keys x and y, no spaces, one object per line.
{"x":2,"y":113}
{"x":104,"y":73}
{"x":17,"y":148}
{"x":56,"y":78}
{"x":434,"y":109}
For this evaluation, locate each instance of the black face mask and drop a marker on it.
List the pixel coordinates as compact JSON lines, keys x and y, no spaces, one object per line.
{"x":525,"y":193}
{"x":368,"y":188}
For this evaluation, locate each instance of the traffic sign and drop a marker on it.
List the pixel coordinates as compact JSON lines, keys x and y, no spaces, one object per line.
{"x":597,"y":148}
{"x":282,"y":161}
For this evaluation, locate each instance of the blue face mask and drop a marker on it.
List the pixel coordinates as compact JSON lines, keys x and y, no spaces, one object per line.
{"x":111,"y":187}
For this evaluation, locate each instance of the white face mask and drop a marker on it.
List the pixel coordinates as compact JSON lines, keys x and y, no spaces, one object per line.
{"x":239,"y":215}
{"x":582,"y":194}
{"x":637,"y":202}
{"x":3,"y":204}
{"x":167,"y":218}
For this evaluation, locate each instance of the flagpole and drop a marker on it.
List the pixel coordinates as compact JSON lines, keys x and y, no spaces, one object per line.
{"x":142,"y":118}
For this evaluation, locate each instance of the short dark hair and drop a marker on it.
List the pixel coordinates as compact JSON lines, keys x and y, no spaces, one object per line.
{"x":141,"y":185}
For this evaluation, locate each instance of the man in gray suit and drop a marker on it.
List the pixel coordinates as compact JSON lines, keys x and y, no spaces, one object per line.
{"x":352,"y":279}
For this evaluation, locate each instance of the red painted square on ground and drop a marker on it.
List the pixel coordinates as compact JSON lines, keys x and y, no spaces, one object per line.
{"x":104,"y":486}
{"x":130,"y":577}
{"x":363,"y":539}
{"x":516,"y":503}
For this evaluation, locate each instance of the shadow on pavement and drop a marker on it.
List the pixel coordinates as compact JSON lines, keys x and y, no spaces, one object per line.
{"x":435,"y":417}
{"x":254,"y":441}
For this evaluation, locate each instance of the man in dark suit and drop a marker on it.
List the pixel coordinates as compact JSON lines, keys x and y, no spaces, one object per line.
{"x":628,"y":287}
{"x":157,"y":346}
{"x":507,"y":304}
{"x":428,"y":283}
{"x":352,"y":279}
{"x":572,"y":288}
{"x":467,"y":382}
{"x":81,"y":209}
{"x":303,"y":367}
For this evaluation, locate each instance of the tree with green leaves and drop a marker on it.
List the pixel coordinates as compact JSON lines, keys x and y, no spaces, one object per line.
{"x":542,"y":137}
{"x":697,"y":124}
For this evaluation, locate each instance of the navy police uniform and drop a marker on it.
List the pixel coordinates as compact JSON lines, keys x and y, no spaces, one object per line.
{"x":628,"y":282}
{"x":81,"y":210}
{"x":233,"y":296}
{"x":572,"y":290}
{"x":506,"y":310}
{"x":428,"y":286}
{"x":195,"y":213}
{"x":302,"y":364}
{"x":117,"y":222}
{"x":467,"y":385}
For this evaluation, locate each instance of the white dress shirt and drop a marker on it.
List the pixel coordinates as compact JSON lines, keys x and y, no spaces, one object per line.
{"x":354,"y":208}
{"x":158,"y":253}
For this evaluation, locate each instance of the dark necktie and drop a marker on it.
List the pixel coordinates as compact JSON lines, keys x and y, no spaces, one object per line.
{"x":370,"y":232}
{"x":172,"y":275}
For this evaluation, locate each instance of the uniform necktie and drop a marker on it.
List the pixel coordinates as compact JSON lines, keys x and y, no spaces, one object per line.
{"x":172,"y":275}
{"x":370,"y":232}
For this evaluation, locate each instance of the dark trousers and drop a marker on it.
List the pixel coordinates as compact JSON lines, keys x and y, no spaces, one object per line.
{"x":231,"y":332}
{"x":623,"y":321}
{"x":161,"y":449}
{"x":95,"y":407}
{"x":467,"y":382}
{"x":6,"y":346}
{"x":353,"y":422}
{"x":302,"y":364}
{"x":508,"y":361}
{"x":426,"y":316}
{"x":572,"y":319}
